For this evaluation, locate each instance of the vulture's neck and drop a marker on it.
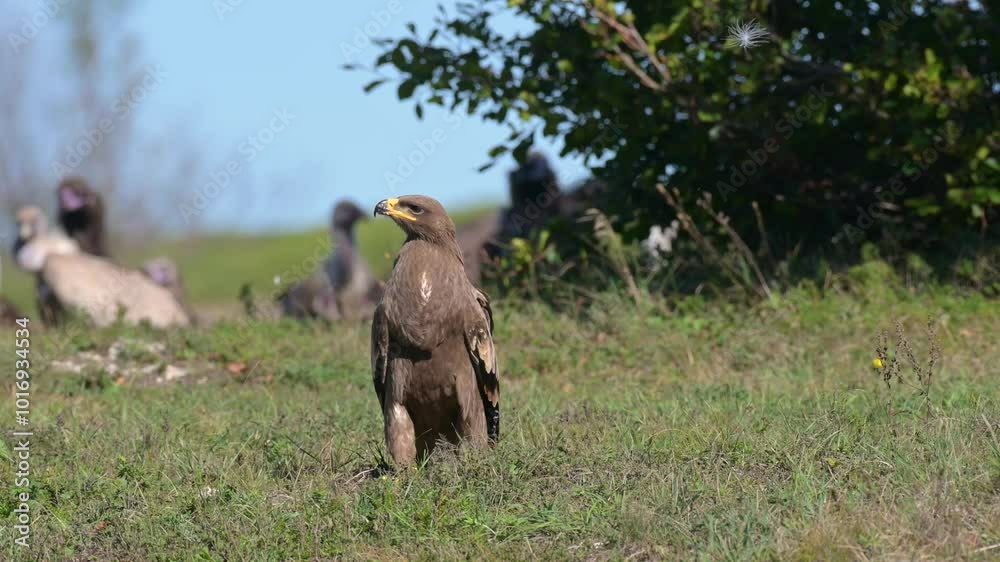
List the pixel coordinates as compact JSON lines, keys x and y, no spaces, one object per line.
{"x":86,"y":226}
{"x":343,"y":236}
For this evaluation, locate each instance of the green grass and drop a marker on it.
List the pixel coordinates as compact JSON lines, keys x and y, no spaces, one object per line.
{"x":691,"y":431}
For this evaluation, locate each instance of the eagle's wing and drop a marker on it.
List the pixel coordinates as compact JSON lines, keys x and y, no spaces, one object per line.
{"x":380,"y":353}
{"x":479,"y":341}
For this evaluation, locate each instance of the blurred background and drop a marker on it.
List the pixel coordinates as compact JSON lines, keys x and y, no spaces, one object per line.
{"x":845,"y":125}
{"x":182,"y":89}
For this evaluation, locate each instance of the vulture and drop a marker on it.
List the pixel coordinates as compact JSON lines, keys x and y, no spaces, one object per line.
{"x":434,"y":363}
{"x":95,"y":286}
{"x":310,"y":298}
{"x":344,"y":288}
{"x":534,"y":199}
{"x":33,"y":227}
{"x":81,"y":215}
{"x":355,"y":288}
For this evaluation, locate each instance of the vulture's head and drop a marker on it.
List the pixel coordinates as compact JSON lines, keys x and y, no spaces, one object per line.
{"x":420,"y":217}
{"x":531,"y":180}
{"x":34,"y":242}
{"x":31,"y":224}
{"x":75,"y":196}
{"x":345,"y":214}
{"x":163,"y":271}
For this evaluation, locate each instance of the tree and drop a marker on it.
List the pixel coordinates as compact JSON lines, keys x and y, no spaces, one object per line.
{"x":854,"y":120}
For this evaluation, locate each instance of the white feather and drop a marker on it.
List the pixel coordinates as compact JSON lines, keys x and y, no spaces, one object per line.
{"x":425,"y":288}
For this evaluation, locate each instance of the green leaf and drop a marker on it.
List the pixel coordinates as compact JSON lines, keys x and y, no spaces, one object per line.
{"x":498,"y":150}
{"x":709,"y":117}
{"x":520,"y":151}
{"x":406,"y":89}
{"x":373,"y":84}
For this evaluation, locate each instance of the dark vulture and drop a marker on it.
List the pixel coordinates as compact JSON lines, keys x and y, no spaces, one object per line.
{"x":534,"y":199}
{"x":434,"y":364}
{"x":310,"y":298}
{"x":536,"y":202}
{"x":344,"y":287}
{"x":81,"y":215}
{"x":96,"y":287}
{"x":355,"y":288}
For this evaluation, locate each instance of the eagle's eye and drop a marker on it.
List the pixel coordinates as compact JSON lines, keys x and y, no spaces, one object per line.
{"x":416,"y":210}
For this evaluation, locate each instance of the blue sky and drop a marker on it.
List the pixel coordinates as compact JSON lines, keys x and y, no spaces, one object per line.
{"x":228,"y":71}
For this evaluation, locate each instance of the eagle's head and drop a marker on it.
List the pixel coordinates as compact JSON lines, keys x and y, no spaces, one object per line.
{"x":420,"y":217}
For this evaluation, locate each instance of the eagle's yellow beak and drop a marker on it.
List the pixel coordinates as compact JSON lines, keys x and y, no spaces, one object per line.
{"x":388,"y":208}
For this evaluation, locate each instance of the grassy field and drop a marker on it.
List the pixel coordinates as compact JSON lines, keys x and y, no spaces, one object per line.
{"x":681,"y":430}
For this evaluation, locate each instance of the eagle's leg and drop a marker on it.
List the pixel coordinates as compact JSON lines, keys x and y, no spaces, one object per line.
{"x":399,"y":434}
{"x":471,"y":423}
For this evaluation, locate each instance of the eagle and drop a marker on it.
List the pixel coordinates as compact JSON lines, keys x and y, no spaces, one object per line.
{"x":434,"y":363}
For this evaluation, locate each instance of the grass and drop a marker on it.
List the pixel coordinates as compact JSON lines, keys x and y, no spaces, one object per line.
{"x":698,"y":430}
